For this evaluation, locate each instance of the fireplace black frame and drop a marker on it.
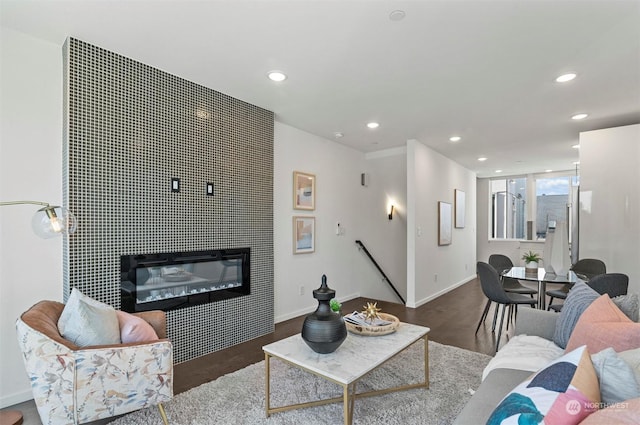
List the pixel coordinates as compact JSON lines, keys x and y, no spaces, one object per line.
{"x":134,"y":271}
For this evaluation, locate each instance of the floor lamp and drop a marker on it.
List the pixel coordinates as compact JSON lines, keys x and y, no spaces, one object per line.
{"x":48,"y":222}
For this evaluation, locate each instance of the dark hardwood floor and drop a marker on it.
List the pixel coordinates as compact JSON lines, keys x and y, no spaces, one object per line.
{"x":452,"y":318}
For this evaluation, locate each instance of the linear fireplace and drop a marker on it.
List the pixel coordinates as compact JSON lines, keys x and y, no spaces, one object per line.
{"x":168,"y":281}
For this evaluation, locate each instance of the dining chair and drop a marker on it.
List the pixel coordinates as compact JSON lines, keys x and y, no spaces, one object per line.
{"x":612,"y":284}
{"x":493,"y":290}
{"x":502,"y":263}
{"x":585,"y":269}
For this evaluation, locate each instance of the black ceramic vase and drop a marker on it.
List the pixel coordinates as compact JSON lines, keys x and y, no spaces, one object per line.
{"x":323,"y":330}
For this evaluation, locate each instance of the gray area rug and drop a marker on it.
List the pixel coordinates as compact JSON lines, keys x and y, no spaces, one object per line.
{"x":238,"y":398}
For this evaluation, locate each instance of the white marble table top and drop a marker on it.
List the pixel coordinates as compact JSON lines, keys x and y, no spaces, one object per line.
{"x":356,"y":356}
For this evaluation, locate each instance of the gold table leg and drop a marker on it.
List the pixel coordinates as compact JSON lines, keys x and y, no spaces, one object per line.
{"x":267,"y":389}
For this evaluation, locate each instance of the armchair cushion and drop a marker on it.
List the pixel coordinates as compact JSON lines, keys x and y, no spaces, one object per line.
{"x":134,"y":328}
{"x":85,"y":321}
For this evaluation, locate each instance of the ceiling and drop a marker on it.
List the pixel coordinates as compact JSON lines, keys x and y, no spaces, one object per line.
{"x":483,"y":70}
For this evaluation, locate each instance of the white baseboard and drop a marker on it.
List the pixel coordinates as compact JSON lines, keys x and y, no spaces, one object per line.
{"x":311,"y":309}
{"x":442,"y":292}
{"x":10,"y":400}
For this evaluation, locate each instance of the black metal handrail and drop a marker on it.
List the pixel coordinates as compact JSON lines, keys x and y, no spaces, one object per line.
{"x":375,"y":263}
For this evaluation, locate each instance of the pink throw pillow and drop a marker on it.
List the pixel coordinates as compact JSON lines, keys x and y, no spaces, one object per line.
{"x":624,"y":413}
{"x":604,"y":325}
{"x":134,"y":328}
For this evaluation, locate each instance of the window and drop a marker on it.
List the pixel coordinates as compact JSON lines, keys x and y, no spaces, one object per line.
{"x":516,"y":214}
{"x":553,"y":198}
{"x":508,"y":200}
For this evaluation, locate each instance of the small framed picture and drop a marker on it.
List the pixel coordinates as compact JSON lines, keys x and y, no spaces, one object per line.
{"x":444,"y":223}
{"x":459,"y":209}
{"x":304,"y":191}
{"x":304,"y":234}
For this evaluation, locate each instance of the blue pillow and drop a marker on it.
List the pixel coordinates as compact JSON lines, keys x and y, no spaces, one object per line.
{"x":578,"y":299}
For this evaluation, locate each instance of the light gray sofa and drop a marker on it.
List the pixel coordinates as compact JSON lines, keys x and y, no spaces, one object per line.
{"x":499,"y":382}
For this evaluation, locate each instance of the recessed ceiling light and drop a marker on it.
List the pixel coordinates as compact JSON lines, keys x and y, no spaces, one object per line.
{"x":566,"y":77}
{"x":579,"y":116}
{"x":576,"y":163}
{"x":373,"y":125}
{"x":338,"y":135}
{"x":482,"y":158}
{"x":498,"y":171}
{"x":576,"y":146}
{"x":277,"y":76}
{"x":397,"y":15}
{"x":455,"y":138}
{"x":548,"y":171}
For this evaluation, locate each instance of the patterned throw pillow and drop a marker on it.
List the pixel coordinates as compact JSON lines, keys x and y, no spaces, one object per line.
{"x":565,"y":392}
{"x":579,"y":298}
{"x":85,"y":321}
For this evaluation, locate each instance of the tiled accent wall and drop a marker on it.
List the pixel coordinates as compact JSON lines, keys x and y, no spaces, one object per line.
{"x":129,"y":129}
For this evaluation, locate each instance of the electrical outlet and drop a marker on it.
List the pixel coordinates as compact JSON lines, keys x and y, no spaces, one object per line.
{"x":301,"y":290}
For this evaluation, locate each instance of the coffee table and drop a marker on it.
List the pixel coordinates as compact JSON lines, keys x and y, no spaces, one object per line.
{"x":357,"y":356}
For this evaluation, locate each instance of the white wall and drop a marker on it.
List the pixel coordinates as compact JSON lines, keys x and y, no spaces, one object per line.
{"x":386,"y":239}
{"x":610,"y":199}
{"x":30,"y":168}
{"x":431,"y":269}
{"x":340,"y":198}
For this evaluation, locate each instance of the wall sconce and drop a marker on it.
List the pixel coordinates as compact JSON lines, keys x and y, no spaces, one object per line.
{"x":391,"y":212}
{"x":50,"y":220}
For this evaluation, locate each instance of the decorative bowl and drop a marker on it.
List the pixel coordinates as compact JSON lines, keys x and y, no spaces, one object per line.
{"x":375,"y":330}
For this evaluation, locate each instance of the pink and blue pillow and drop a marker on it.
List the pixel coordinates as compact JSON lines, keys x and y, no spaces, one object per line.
{"x":563,"y":393}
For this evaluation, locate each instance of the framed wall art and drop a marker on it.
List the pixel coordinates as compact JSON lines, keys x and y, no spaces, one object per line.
{"x":304,"y":234}
{"x":304,"y":191}
{"x":444,"y":223}
{"x":459,"y":209}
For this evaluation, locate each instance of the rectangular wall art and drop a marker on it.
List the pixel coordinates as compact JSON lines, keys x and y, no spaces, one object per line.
{"x":304,"y":234}
{"x":459,"y":209}
{"x":444,"y":223}
{"x":304,"y":191}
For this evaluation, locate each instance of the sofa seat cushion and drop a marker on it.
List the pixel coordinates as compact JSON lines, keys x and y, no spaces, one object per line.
{"x":524,"y":352}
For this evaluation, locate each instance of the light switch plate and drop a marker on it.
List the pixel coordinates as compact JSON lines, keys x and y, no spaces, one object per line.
{"x":209,"y":189}
{"x":175,"y":184}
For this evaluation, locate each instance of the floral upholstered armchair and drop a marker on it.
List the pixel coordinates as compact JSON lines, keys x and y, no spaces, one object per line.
{"x":75,"y":385}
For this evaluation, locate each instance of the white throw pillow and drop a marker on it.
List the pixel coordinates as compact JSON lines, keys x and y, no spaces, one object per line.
{"x":617,"y":380}
{"x":524,"y":352}
{"x":85,"y":321}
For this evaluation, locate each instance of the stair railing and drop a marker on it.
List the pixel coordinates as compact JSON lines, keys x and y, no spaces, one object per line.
{"x":375,"y":263}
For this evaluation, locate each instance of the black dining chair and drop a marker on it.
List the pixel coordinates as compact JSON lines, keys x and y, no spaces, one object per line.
{"x":493,"y":290}
{"x":503,"y":263}
{"x":612,"y":284}
{"x":585,"y":269}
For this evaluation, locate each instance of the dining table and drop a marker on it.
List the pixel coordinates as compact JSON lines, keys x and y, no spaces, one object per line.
{"x":542,"y":277}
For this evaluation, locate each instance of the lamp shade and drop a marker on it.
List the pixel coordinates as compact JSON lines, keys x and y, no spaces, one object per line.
{"x":51,"y":221}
